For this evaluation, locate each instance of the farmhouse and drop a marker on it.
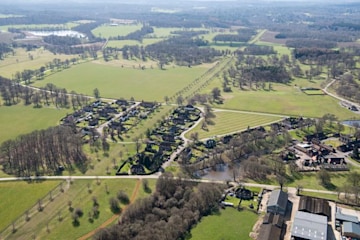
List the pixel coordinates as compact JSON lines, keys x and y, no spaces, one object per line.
{"x":309,"y":226}
{"x":278,"y":202}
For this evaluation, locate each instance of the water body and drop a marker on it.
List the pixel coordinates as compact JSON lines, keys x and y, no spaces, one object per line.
{"x":222,"y":173}
{"x":61,"y":33}
{"x":352,"y":123}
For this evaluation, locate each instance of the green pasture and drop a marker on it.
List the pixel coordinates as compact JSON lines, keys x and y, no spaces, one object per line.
{"x":17,"y":197}
{"x":122,"y":43}
{"x":106,"y":31}
{"x":81,"y":197}
{"x":117,"y":82}
{"x":314,"y":92}
{"x":286,"y":100}
{"x":20,"y":119}
{"x":332,"y":197}
{"x":231,"y":121}
{"x":21,"y":60}
{"x":227,"y":224}
{"x":310,"y":181}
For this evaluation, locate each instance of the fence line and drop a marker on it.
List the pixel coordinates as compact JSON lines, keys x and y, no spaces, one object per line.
{"x":33,"y":210}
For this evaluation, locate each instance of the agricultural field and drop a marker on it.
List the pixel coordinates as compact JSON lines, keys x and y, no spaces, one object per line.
{"x":106,"y":31}
{"x":12,"y":124}
{"x":21,"y":61}
{"x":227,"y":224}
{"x":116,"y":82}
{"x":17,"y":197}
{"x":226,"y":122}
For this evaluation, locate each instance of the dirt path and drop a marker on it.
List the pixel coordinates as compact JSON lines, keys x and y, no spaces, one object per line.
{"x":115,"y":216}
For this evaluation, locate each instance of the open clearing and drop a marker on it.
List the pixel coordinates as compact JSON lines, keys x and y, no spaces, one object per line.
{"x":21,"y":61}
{"x":228,"y":224}
{"x":17,"y":197}
{"x":106,"y":31}
{"x":229,"y":122}
{"x":12,"y":124}
{"x":81,"y":198}
{"x":285,"y":99}
{"x":116,"y":82}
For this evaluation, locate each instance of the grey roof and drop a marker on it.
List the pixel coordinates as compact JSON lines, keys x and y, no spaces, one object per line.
{"x":309,"y":226}
{"x":345,"y":218}
{"x":353,"y":228}
{"x":278,"y":198}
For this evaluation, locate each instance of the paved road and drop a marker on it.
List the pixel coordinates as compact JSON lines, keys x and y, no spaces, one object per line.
{"x":186,"y":142}
{"x":338,"y":97}
{"x":154,"y":176}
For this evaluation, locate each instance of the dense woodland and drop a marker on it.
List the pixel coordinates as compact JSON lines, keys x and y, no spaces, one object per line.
{"x":170,"y":212}
{"x":43,"y":152}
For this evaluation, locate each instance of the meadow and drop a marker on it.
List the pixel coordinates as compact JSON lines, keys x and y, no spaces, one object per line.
{"x":16,"y":197}
{"x":106,"y":31}
{"x":226,"y":122}
{"x":20,"y":119}
{"x":227,"y":224}
{"x":116,"y":82}
{"x":80,"y":197}
{"x":21,"y":61}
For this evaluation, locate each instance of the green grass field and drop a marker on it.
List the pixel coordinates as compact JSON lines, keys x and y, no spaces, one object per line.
{"x":81,"y":198}
{"x":20,"y":119}
{"x":17,"y":197}
{"x":116,"y":82}
{"x":106,"y":31}
{"x":230,"y":122}
{"x":21,"y":61}
{"x":229,"y":224}
{"x":285,"y":99}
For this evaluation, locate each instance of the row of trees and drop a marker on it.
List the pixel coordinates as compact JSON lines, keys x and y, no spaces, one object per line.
{"x":137,"y":35}
{"x":169,"y":213}
{"x":43,"y":152}
{"x":13,"y":93}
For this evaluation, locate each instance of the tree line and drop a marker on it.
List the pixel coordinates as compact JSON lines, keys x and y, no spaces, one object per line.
{"x":137,"y":35}
{"x":170,"y":213}
{"x":13,"y":93}
{"x":43,"y":152}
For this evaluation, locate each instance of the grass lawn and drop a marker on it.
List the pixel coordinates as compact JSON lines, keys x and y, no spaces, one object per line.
{"x":20,"y":119}
{"x":285,"y":99}
{"x":228,"y":224}
{"x":116,"y":82}
{"x":81,"y":198}
{"x":333,"y":197}
{"x":310,"y":181}
{"x":17,"y":197}
{"x":21,"y":61}
{"x":229,"y":122}
{"x":106,"y":31}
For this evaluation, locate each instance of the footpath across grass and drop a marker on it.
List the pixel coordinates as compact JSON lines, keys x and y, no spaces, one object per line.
{"x":228,"y":224}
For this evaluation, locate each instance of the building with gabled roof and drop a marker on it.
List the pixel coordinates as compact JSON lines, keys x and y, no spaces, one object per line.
{"x":309,"y":226}
{"x":277,"y":203}
{"x":351,"y":230}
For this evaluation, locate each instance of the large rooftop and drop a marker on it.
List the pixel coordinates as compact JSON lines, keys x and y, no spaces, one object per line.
{"x":309,"y":226}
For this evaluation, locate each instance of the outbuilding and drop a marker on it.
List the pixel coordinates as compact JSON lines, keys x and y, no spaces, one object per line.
{"x":277,"y":203}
